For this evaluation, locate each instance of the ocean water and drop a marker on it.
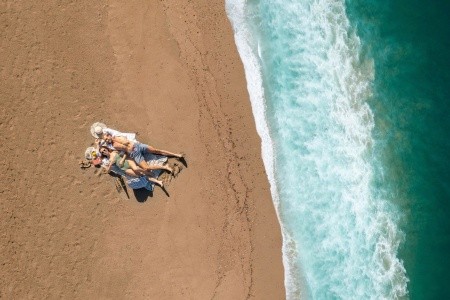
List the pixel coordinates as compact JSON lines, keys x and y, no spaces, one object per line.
{"x":351,"y":101}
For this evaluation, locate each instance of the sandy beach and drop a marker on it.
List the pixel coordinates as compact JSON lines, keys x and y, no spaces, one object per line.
{"x":168,"y":70}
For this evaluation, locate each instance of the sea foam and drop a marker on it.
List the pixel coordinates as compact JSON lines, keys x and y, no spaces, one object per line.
{"x":252,"y":66}
{"x":308,"y":88}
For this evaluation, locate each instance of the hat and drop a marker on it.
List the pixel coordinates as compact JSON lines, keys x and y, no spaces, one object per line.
{"x":97,"y":128}
{"x":90,"y":153}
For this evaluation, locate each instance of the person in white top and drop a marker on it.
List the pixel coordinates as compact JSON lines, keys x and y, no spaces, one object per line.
{"x":98,"y":130}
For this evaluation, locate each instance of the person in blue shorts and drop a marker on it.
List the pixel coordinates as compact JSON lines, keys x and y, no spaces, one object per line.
{"x":127,"y":165}
{"x":137,"y":150}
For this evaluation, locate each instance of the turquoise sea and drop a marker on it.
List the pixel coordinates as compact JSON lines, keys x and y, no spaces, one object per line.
{"x":351,"y":100}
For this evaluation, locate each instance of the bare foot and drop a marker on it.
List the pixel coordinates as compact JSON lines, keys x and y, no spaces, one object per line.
{"x":168,"y":169}
{"x":176,"y":170}
{"x":182,"y":159}
{"x":154,"y":180}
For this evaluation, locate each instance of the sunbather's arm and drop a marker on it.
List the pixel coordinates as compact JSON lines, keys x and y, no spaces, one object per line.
{"x":97,"y":144}
{"x":112,"y":159}
{"x":122,"y":160}
{"x":122,"y":140}
{"x":108,"y":167}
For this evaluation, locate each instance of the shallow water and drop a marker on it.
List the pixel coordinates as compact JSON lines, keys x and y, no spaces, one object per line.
{"x":349,"y":99}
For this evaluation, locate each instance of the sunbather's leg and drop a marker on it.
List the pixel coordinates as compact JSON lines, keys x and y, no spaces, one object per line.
{"x":163,"y":152}
{"x":138,"y":155}
{"x":131,"y":173}
{"x":135,"y":167}
{"x":144,"y":165}
{"x":158,"y":182}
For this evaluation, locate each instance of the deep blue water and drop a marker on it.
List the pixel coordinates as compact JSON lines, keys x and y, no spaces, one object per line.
{"x":350,"y":100}
{"x":410,"y":42}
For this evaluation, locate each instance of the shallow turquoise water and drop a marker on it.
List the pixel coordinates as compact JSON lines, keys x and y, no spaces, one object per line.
{"x":350,"y":101}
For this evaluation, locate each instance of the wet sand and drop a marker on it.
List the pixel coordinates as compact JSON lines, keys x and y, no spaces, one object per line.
{"x":168,"y":70}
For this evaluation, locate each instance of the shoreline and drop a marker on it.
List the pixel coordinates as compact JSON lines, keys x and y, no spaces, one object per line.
{"x":217,"y":235}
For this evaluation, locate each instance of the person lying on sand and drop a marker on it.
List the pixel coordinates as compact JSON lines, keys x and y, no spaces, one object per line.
{"x":128,"y":165}
{"x":136,"y":150}
{"x":127,"y":142}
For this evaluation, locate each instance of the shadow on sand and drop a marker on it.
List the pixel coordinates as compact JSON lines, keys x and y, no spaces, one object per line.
{"x":143,"y":194}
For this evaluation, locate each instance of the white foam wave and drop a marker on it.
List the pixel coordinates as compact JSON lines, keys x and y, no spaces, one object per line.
{"x":346,"y":231}
{"x":244,"y":42}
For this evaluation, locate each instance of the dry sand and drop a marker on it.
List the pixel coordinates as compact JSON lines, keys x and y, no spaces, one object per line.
{"x":170,"y":71}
